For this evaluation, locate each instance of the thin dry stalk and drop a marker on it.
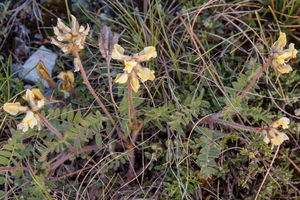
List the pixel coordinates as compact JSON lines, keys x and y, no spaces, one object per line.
{"x":256,"y":77}
{"x":75,"y":53}
{"x":267,"y":173}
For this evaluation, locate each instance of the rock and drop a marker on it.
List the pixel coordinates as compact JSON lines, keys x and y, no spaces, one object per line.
{"x":43,"y":54}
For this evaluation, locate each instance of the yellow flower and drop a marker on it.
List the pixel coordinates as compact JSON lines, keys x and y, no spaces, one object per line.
{"x":68,"y":78}
{"x":129,"y":66}
{"x":282,"y":56}
{"x":75,"y":36}
{"x":14,"y":108}
{"x":283,"y":121}
{"x":281,"y":68}
{"x":274,"y":136}
{"x":133,"y":67}
{"x":122,"y":78}
{"x":35,"y":99}
{"x":28,"y":121}
{"x":146,"y":54}
{"x":277,"y":137}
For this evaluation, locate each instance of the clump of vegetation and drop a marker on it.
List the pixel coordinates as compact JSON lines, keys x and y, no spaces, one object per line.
{"x":198,"y":92}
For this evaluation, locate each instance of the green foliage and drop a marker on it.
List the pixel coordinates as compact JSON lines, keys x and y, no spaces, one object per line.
{"x":207,"y":56}
{"x":8,"y":86}
{"x":183,"y":187}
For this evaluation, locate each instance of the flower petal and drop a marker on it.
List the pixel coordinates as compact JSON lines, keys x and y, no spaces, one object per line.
{"x":14,"y":108}
{"x":62,"y":76}
{"x":37,"y":94}
{"x":135,"y":84}
{"x":76,"y":64}
{"x":28,"y":121}
{"x":266,"y":139}
{"x":145,"y":74}
{"x":121,"y":78}
{"x":284,"y":69}
{"x":118,"y":52}
{"x":279,"y":137}
{"x":281,"y":42}
{"x":71,"y":77}
{"x":39,"y":123}
{"x":29,"y":96}
{"x":74,"y":25}
{"x":283,"y":121}
{"x":62,"y":26}
{"x":146,"y":54}
{"x":129,"y":66}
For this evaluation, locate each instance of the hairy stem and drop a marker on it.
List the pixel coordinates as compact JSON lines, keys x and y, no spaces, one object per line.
{"x":234,"y":125}
{"x":75,"y":53}
{"x":63,"y":159}
{"x":135,"y":124}
{"x":55,"y":131}
{"x":15,"y":168}
{"x":134,"y":132}
{"x":257,"y":75}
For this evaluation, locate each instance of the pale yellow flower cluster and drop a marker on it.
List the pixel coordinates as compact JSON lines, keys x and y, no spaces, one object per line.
{"x":36,"y":101}
{"x":74,"y":37}
{"x":273,"y":135}
{"x":133,"y":67}
{"x":281,"y":55}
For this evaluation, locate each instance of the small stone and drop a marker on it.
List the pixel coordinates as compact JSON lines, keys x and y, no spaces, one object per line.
{"x":27,"y":86}
{"x":43,"y":54}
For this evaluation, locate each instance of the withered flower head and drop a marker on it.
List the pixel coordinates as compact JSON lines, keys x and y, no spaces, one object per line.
{"x":68,"y":78}
{"x":73,"y":37}
{"x":106,"y":41}
{"x":43,"y":72}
